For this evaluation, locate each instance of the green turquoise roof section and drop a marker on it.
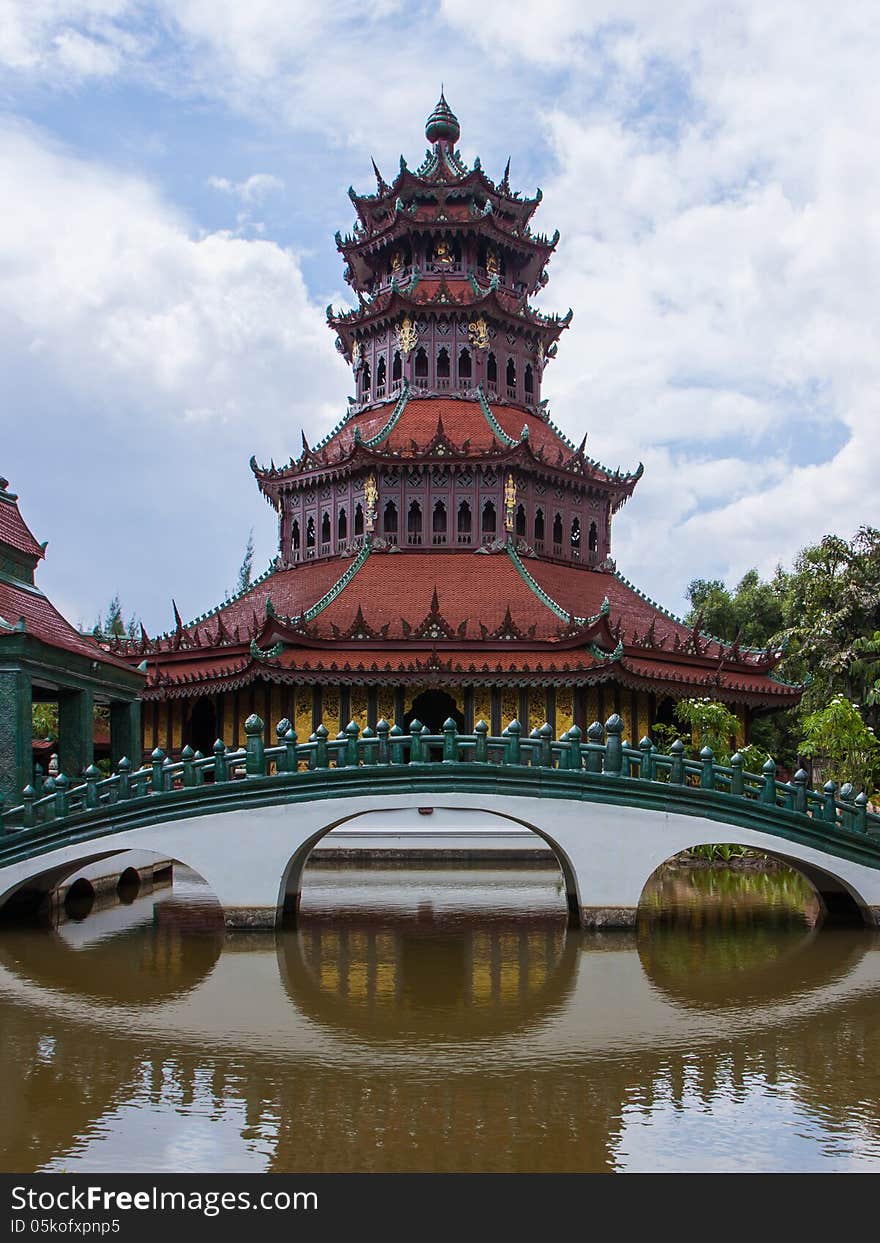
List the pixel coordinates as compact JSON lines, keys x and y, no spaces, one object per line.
{"x":389,"y":427}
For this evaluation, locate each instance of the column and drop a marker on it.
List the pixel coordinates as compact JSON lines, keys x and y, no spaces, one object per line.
{"x":125,"y":732}
{"x":76,"y":725}
{"x":16,"y":735}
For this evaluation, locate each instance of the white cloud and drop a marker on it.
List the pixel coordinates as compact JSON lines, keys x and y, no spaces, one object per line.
{"x":252,"y":190}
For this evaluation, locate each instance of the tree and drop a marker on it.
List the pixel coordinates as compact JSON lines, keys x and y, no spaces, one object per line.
{"x":712,"y":725}
{"x":246,"y":570}
{"x":838,"y":736}
{"x":113,"y":625}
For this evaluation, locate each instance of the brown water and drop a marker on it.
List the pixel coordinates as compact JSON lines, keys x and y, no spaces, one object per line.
{"x":445,"y":1019}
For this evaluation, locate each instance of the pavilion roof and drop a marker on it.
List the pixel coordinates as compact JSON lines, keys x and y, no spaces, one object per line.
{"x":14,"y":531}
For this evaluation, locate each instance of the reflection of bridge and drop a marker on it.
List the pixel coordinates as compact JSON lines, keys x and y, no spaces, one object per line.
{"x":476,"y":1081}
{"x":612,"y":813}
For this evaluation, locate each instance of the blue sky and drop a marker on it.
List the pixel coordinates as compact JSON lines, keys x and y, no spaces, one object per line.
{"x":172,"y":174}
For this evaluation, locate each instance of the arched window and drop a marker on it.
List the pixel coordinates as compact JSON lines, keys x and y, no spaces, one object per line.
{"x":489,"y":521}
{"x":325,"y":528}
{"x":380,"y":377}
{"x":511,"y":378}
{"x":443,"y":368}
{"x":575,"y":537}
{"x":421,"y":368}
{"x":529,"y":380}
{"x":520,"y":521}
{"x":310,"y":533}
{"x":438,"y":523}
{"x":414,"y":524}
{"x":396,"y":367}
{"x":389,"y":521}
{"x":294,"y":540}
{"x":594,"y":538}
{"x":465,"y":371}
{"x":491,"y":370}
{"x":557,"y":532}
{"x":358,"y":519}
{"x":365,"y":378}
{"x":539,"y":527}
{"x":342,"y":525}
{"x":464,"y":523}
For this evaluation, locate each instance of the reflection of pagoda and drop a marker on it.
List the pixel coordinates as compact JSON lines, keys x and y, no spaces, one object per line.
{"x":445,"y":550}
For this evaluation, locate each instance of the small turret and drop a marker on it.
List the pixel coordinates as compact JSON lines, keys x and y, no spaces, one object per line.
{"x":442,"y":125}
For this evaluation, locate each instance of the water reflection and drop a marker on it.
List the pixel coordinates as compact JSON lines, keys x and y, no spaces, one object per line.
{"x":408,"y":1027}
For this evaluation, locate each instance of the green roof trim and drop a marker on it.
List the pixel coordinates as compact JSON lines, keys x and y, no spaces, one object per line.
{"x":389,"y":427}
{"x":551,"y":604}
{"x":340,"y":584}
{"x":496,"y":428}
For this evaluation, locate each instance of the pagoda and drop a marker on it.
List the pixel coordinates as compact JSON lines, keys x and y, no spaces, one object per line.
{"x":445,"y":550}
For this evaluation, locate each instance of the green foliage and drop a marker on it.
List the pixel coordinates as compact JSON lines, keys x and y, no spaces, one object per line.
{"x":838,"y":736}
{"x":45,"y":718}
{"x":245,"y":573}
{"x":712,"y":725}
{"x":753,"y":613}
{"x":113,"y":624}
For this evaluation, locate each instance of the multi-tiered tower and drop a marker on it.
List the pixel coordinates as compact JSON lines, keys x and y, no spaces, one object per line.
{"x":445,"y":551}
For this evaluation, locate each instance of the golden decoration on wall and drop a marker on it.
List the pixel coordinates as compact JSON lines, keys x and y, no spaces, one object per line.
{"x":442,"y":254}
{"x":407,"y":337}
{"x":356,"y":354}
{"x":396,"y":261}
{"x":509,"y":502}
{"x":371,"y":496}
{"x":493,"y":267}
{"x":478,"y":334}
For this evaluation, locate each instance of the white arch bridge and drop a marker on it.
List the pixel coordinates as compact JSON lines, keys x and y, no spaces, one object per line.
{"x":247,"y":819}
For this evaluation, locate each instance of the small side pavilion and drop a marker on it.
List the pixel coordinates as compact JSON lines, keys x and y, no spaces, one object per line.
{"x":43,"y":658}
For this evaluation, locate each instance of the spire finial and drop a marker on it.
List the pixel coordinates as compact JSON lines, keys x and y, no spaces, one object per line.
{"x":442,"y":125}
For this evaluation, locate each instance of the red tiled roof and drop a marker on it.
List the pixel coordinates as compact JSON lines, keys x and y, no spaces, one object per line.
{"x":462,"y":420}
{"x":15,"y":532}
{"x":292,"y":591}
{"x":44,"y":622}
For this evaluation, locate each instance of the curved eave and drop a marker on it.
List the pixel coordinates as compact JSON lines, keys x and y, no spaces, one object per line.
{"x":408,"y":181}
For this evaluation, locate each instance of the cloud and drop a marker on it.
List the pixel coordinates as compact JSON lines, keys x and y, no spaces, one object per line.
{"x":253,"y":190}
{"x":142,"y":363}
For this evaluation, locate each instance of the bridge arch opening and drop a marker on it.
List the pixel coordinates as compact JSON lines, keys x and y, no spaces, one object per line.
{"x":433,"y":837}
{"x":823,"y":899}
{"x":85,"y":886}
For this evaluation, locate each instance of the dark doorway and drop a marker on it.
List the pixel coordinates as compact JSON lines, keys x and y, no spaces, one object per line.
{"x":432,"y":708}
{"x":202,"y":731}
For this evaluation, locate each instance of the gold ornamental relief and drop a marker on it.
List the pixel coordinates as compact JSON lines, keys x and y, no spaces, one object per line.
{"x":407,"y":337}
{"x":356,"y":354}
{"x":509,"y":502}
{"x":371,"y":495}
{"x":478,"y":333}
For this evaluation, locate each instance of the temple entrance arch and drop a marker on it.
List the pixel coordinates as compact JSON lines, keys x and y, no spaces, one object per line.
{"x":432,"y":708}
{"x":203,"y":732}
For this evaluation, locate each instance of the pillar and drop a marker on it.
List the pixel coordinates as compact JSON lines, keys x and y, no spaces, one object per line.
{"x":16,"y":735}
{"x":76,"y":726}
{"x":125,"y":731}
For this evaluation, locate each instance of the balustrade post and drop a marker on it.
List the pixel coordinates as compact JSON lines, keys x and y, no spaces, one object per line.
{"x":167,"y":778}
{"x":707,"y":772}
{"x":255,"y":757}
{"x":92,"y":776}
{"x":545,"y":735}
{"x":340,"y":751}
{"x":563,"y":757}
{"x":396,"y":747}
{"x":321,"y":754}
{"x":575,"y":755}
{"x":123,"y":770}
{"x":614,"y":747}
{"x":38,"y":779}
{"x":49,"y":808}
{"x":415,"y":742}
{"x":352,"y":751}
{"x":481,"y":749}
{"x":281,"y":764}
{"x":450,"y":741}
{"x":800,"y":790}
{"x":28,"y":795}
{"x":829,"y":811}
{"x":737,"y":784}
{"x":596,"y":736}
{"x":157,"y":760}
{"x":187,"y":755}
{"x":291,"y":760}
{"x":848,"y":810}
{"x":62,"y":805}
{"x":199,"y":769}
{"x":646,"y":768}
{"x":768,"y":793}
{"x":513,"y":734}
{"x":862,"y":812}
{"x":368,"y":752}
{"x":676,"y":768}
{"x":221,"y":768}
{"x":382,"y":731}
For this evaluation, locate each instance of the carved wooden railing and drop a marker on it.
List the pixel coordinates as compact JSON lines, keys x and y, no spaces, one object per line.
{"x":607,"y":767}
